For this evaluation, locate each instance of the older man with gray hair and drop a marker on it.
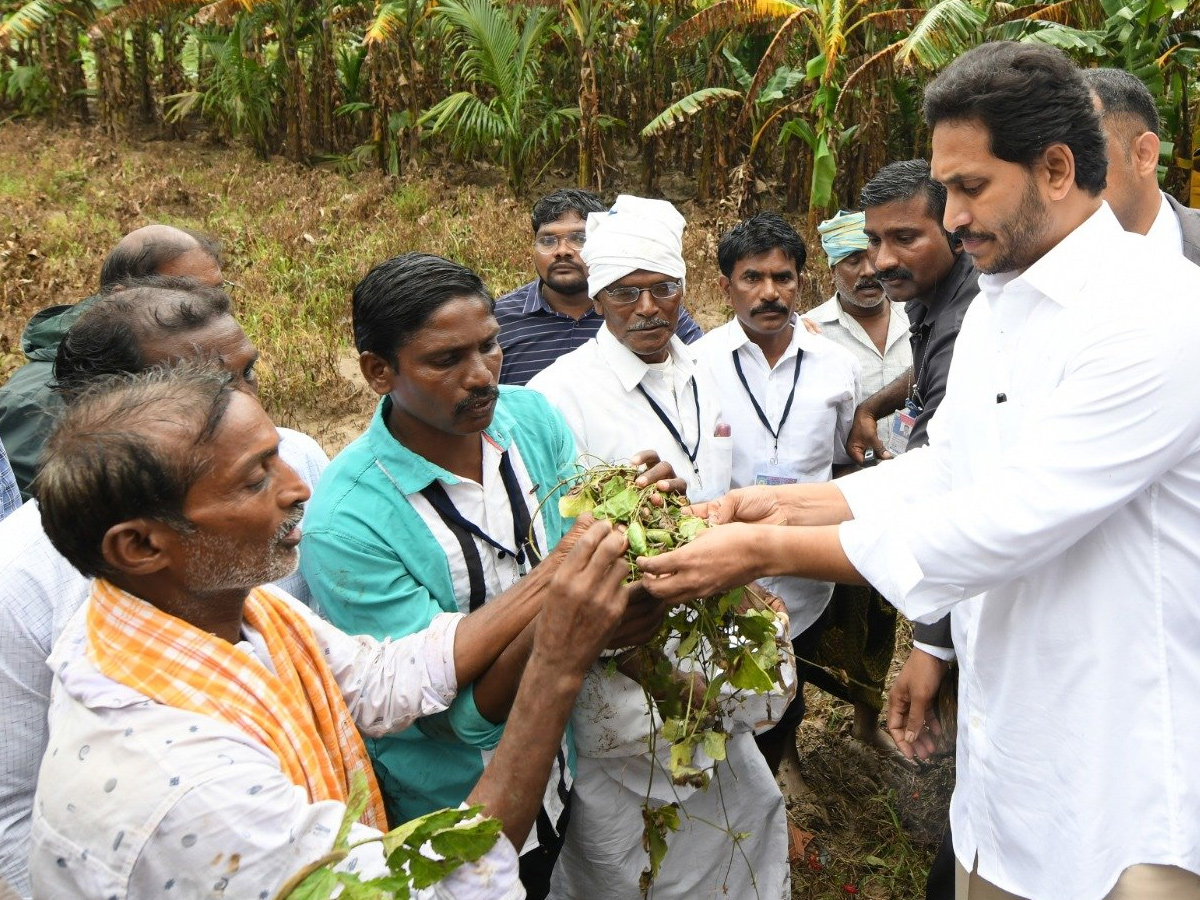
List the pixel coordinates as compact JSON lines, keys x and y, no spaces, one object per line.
{"x":634,"y":385}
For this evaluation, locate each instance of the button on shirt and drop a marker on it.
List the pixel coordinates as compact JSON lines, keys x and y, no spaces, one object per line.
{"x":533,"y":335}
{"x":811,"y":439}
{"x":1060,"y":525}
{"x":142,"y":800}
{"x":878,"y":370}
{"x":39,"y":593}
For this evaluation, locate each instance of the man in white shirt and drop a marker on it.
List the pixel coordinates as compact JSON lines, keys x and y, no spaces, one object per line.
{"x":152,"y":322}
{"x":1054,"y":510}
{"x":635,"y":385}
{"x":205,"y":731}
{"x":858,"y":316}
{"x":1130,"y":121}
{"x":789,"y":398}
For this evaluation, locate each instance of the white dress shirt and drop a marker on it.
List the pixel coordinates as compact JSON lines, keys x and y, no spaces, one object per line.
{"x":878,"y":369}
{"x":1056,"y":511}
{"x":137,"y":799}
{"x":39,"y":592}
{"x":595,"y":387}
{"x":1165,"y":230}
{"x":810,"y":440}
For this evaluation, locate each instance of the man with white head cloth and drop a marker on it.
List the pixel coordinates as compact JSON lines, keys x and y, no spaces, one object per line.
{"x":636,"y":385}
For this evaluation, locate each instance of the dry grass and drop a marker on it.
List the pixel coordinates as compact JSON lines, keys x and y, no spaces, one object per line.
{"x":298,"y":240}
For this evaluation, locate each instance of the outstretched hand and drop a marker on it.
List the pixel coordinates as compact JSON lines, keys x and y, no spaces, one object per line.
{"x":718,"y":560}
{"x":757,"y":505}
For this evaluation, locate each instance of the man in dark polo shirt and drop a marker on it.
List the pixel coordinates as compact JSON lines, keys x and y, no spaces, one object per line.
{"x":553,"y":314}
{"x":920,"y":266}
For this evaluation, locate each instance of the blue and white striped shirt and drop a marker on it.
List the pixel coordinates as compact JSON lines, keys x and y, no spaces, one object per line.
{"x":532,"y":335}
{"x":10,"y":497}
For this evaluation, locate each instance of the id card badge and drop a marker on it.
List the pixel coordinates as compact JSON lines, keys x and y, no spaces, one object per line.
{"x":902,"y":426}
{"x":766,"y":472}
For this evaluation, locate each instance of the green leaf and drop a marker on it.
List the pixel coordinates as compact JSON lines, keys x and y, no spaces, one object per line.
{"x":693,"y":104}
{"x":714,"y":744}
{"x":417,"y":831}
{"x":689,"y":527}
{"x":319,"y":885}
{"x":467,"y":842}
{"x":824,"y":166}
{"x":356,"y":803}
{"x":746,"y":674}
{"x":575,"y":503}
{"x":620,"y":507}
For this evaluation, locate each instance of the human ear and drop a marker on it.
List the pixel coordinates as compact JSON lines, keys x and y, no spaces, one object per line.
{"x":1059,"y":164}
{"x":1145,"y":154}
{"x":377,"y":371}
{"x":138,"y":547}
{"x":724,"y":282}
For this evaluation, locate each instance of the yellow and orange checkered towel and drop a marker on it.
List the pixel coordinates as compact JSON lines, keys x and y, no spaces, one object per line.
{"x":298,"y":713}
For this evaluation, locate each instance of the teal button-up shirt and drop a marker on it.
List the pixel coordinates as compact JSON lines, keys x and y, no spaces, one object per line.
{"x":375,"y":568}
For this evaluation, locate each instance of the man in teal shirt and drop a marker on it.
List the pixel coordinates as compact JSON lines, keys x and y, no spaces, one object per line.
{"x":439,"y":507}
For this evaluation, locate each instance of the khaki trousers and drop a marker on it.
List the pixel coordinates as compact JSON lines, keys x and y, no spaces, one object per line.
{"x":1136,"y":883}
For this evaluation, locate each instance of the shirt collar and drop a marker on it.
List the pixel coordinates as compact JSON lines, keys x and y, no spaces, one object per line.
{"x":1165,"y":230}
{"x":629,"y":368}
{"x":830,"y":311}
{"x":535,"y":302}
{"x":1062,"y":274}
{"x":410,"y":472}
{"x":801,"y":339}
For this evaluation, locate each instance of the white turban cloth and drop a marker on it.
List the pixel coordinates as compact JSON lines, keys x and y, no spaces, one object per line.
{"x":636,"y":233}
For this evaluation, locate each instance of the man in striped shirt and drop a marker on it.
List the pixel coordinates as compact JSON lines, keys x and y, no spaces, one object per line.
{"x":553,"y":314}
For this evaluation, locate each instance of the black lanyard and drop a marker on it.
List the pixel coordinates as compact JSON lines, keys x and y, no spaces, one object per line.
{"x":670,"y":426}
{"x":464,"y":530}
{"x":787,"y":407}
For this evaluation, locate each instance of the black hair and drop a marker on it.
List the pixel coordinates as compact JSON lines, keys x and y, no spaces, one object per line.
{"x":1122,"y":93}
{"x":903,"y":180}
{"x":1028,"y":97}
{"x":107,"y":338}
{"x":558,"y":203}
{"x":137,"y":259}
{"x":115,"y":455}
{"x":397,"y":297}
{"x":760,"y":233}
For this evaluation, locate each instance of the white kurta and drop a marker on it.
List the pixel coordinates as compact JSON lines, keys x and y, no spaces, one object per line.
{"x":1057,"y":510}
{"x":602,"y":858}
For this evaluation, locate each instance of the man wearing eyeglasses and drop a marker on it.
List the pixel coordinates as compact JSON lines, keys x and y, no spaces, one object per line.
{"x":634,"y":385}
{"x":553,"y":314}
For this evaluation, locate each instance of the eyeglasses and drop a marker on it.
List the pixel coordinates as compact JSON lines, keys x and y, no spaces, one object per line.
{"x":664,"y":290}
{"x":548,"y":243}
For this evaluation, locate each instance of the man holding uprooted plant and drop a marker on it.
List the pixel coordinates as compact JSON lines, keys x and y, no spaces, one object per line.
{"x":439,"y":508}
{"x":634,"y":384}
{"x":205,"y":726}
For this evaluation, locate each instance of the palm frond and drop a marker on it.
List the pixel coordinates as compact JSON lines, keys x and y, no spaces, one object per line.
{"x":728,"y":14}
{"x":890,"y":19}
{"x":773,"y":55}
{"x":1050,"y":12}
{"x":135,"y":11}
{"x":29,"y":19}
{"x":219,"y":12}
{"x":389,"y":21}
{"x":687,"y":107}
{"x":872,"y":67}
{"x":945,"y":31}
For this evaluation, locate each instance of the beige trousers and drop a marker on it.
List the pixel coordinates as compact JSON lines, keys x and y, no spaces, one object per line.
{"x":1136,"y":883}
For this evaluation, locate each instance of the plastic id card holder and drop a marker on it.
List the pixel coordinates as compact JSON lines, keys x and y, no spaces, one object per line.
{"x":768,"y":474}
{"x":902,"y":426}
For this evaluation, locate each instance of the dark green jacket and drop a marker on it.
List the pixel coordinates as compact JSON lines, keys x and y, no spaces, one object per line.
{"x":28,"y":406}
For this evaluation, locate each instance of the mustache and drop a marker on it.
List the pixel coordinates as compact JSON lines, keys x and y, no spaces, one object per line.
{"x":479,"y":395}
{"x":770,"y":306}
{"x":895,"y":273}
{"x":962,"y":234}
{"x":290,"y":523}
{"x":864,"y":284}
{"x":644,"y":324}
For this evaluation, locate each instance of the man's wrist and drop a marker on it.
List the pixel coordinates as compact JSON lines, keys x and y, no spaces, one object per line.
{"x":945,"y":654}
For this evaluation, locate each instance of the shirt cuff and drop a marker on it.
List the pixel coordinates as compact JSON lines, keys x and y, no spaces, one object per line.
{"x":945,"y":654}
{"x":439,"y":656}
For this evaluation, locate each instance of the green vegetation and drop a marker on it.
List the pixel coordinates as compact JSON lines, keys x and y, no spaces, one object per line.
{"x":793,"y":100}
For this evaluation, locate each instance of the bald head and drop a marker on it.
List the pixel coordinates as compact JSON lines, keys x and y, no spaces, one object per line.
{"x":162,"y":250}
